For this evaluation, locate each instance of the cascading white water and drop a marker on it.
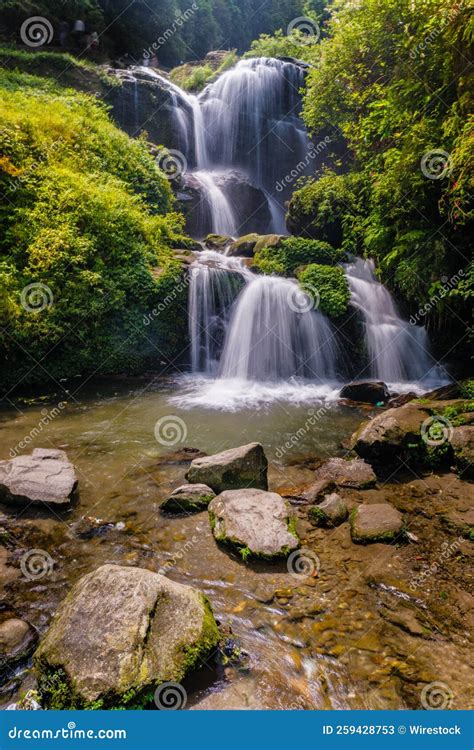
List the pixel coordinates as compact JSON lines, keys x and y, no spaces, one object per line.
{"x":269,"y":340}
{"x":215,"y":281}
{"x":397,"y":351}
{"x":244,"y":124}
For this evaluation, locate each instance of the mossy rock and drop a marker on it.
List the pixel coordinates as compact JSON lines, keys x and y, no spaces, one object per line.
{"x":329,"y":286}
{"x":285,"y":255}
{"x":377,"y":522}
{"x":120,"y":633}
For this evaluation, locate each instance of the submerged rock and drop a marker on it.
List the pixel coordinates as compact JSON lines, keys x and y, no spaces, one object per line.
{"x":366,"y":391}
{"x":331,"y":512}
{"x":233,"y":469}
{"x":120,"y":633}
{"x":353,"y":473}
{"x":17,"y":640}
{"x":188,"y":498}
{"x":44,"y":477}
{"x":379,"y":522}
{"x":256,"y":522}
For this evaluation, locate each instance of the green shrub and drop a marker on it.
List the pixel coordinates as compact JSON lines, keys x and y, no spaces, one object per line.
{"x":330,"y":284}
{"x":292,"y":252}
{"x":88,"y":216}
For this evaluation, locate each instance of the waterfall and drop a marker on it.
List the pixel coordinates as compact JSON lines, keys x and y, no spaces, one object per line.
{"x":214,"y":283}
{"x":397,"y":351}
{"x":241,"y":136}
{"x":268,"y":340}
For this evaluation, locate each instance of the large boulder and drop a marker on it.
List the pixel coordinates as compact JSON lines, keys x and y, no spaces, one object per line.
{"x":233,"y":469}
{"x":408,"y":433}
{"x":366,"y":391}
{"x":378,"y":522}
{"x":354,"y":473}
{"x":254,"y":521}
{"x":188,"y":498}
{"x":120,"y":633}
{"x":249,"y":244}
{"x":462,"y":441}
{"x":44,"y":477}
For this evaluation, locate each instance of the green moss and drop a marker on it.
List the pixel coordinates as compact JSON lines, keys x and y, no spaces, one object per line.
{"x":292,"y":527}
{"x":292,"y":252}
{"x":329,"y":285}
{"x":207,"y":641}
{"x":317,"y":515}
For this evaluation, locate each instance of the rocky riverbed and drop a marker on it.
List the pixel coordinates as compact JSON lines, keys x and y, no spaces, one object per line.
{"x":368,"y":602}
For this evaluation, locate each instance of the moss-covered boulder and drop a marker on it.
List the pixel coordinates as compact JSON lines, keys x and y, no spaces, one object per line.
{"x":328,"y":285}
{"x":316,"y":210}
{"x":462,"y":441}
{"x":285,"y":256}
{"x":331,"y":512}
{"x":245,"y":466}
{"x":257,"y":523}
{"x":120,"y":633}
{"x":378,"y":522}
{"x":188,"y":498}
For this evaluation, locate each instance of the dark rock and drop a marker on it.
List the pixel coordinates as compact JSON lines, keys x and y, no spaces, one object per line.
{"x":17,"y":640}
{"x":44,"y":477}
{"x":379,"y":522}
{"x":462,"y":441}
{"x":188,"y":498}
{"x":366,"y":391}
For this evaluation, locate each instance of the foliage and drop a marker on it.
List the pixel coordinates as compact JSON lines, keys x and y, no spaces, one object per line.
{"x":189,"y":30}
{"x":330,"y":284}
{"x":295,"y":44}
{"x":292,"y":252}
{"x":196,"y":77}
{"x":393,"y":78}
{"x":89,"y":216}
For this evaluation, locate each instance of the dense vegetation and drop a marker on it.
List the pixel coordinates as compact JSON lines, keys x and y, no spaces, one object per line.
{"x":86,"y":219}
{"x":393,"y":79}
{"x":180,"y":30}
{"x":293,"y":252}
